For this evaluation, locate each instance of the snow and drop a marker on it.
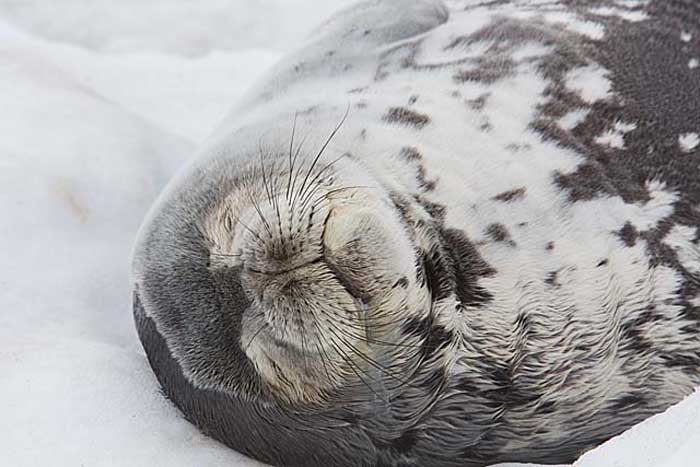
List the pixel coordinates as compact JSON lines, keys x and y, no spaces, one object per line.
{"x":671,"y":439}
{"x":100,"y":103}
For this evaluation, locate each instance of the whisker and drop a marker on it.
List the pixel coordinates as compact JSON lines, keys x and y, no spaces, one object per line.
{"x":353,"y":366}
{"x":298,"y":171}
{"x":264,"y":176}
{"x":370,"y":340}
{"x":316,"y":178}
{"x":323,"y":148}
{"x":260,"y":214}
{"x":327,"y":194}
{"x":255,"y":234}
{"x":291,"y":147}
{"x":370,"y":361}
{"x":264,"y":325}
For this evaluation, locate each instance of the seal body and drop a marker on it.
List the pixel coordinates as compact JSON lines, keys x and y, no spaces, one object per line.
{"x":440,"y":234}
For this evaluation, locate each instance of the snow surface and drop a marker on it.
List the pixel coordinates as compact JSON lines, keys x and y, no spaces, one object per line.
{"x":100,"y":102}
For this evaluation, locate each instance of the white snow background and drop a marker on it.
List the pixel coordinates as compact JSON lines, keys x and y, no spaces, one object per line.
{"x":100,"y":102}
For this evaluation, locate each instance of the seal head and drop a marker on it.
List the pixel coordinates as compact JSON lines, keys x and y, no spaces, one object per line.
{"x":273,"y":290}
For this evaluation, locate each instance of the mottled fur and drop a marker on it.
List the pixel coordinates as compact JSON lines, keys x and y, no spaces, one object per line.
{"x":440,"y":236}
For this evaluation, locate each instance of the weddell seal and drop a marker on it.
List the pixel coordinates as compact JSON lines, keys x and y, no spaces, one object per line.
{"x":440,"y":235}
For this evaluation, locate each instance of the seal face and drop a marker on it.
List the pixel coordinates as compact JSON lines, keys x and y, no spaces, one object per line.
{"x":447,"y":235}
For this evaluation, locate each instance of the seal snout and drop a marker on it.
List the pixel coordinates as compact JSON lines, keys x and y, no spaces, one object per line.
{"x":278,"y":238}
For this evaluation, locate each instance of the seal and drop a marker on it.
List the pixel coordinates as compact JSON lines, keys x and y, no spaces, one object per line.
{"x":439,"y":235}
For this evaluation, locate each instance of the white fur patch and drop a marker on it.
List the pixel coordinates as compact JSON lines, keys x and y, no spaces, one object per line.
{"x":615,"y":137}
{"x":573,"y":23}
{"x":632,"y":3}
{"x":689,"y":141}
{"x":681,"y":238}
{"x":611,"y":138}
{"x":571,"y":119}
{"x":627,"y":15}
{"x":590,"y":81}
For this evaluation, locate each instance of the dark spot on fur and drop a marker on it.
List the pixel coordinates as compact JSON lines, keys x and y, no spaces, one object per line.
{"x":405,"y":442}
{"x":437,"y":275}
{"x":587,"y":183}
{"x":438,"y":338}
{"x":686,"y":363}
{"x":427,"y":185}
{"x":602,"y":263}
{"x":413,"y":99}
{"x":549,"y":246}
{"x":406,"y":117}
{"x":468,"y":267}
{"x":486,"y":126}
{"x":451,"y":255}
{"x":498,"y":233}
{"x":629,"y":234}
{"x":517,"y":193}
{"x":402,"y":282}
{"x":522,"y":321}
{"x":488,"y":71}
{"x":415,"y":327}
{"x":629,"y":401}
{"x":433,"y":337}
{"x":551,"y":279}
{"x":633,"y":331}
{"x":411,"y":154}
{"x":548,"y":406}
{"x":436,"y":211}
{"x":504,"y":392}
{"x":402,"y":205}
{"x":478,"y":103}
{"x":515,"y":148}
